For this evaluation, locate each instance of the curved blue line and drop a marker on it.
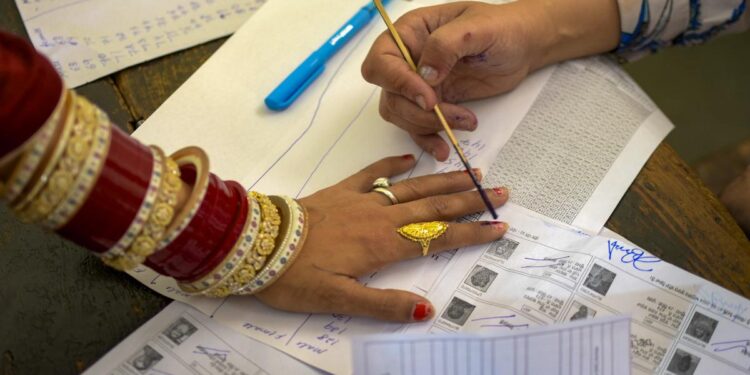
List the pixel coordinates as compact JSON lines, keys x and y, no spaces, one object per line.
{"x":54,"y":10}
{"x":317,"y":108}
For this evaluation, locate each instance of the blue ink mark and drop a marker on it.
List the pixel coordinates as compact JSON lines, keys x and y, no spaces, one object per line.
{"x":634,"y":256}
{"x":723,"y":346}
{"x":501,"y":322}
{"x":212,"y":353}
{"x":495,"y":317}
{"x":554,"y":262}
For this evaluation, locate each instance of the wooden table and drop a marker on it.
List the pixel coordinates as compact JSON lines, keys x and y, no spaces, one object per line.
{"x":63,"y":309}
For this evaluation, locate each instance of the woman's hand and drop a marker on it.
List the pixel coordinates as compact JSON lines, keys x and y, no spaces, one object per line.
{"x":472,"y":50}
{"x":352,"y":233}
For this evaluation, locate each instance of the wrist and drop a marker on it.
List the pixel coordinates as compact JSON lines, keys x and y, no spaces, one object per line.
{"x":563,"y":30}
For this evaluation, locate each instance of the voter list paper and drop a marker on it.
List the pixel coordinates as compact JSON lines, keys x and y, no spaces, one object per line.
{"x":182,"y":340}
{"x":595,"y":346}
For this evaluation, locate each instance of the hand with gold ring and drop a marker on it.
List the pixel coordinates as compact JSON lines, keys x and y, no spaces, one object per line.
{"x":354,"y":232}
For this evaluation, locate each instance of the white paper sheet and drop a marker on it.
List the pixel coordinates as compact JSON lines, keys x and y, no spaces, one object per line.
{"x":182,"y":340}
{"x":595,"y":346}
{"x":89,"y":39}
{"x":541,"y":274}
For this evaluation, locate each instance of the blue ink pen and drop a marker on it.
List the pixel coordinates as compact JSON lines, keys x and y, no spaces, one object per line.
{"x":292,"y":87}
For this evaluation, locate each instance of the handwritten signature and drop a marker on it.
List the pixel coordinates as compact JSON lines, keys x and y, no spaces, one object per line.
{"x":742,"y":345}
{"x":211,"y":352}
{"x":634,"y":256}
{"x":500,"y":322}
{"x":552,"y":262}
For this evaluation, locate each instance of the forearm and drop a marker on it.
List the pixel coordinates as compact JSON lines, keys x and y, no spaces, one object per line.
{"x":572,"y":28}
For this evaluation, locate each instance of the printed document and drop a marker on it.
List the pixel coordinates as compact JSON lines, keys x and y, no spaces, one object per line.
{"x":598,"y":346}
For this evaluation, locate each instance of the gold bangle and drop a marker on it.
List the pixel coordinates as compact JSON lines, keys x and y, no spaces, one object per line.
{"x":265,"y":243}
{"x":31,"y":158}
{"x":235,"y":258}
{"x":91,"y":168}
{"x":159,"y":219}
{"x":49,"y":161}
{"x":294,"y":233}
{"x":68,"y":166}
{"x":141,"y":216}
{"x":196,"y":157}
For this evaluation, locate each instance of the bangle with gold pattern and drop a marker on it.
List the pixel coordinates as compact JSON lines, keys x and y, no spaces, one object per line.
{"x":60,"y":140}
{"x":293,"y":233}
{"x":254,"y":261}
{"x":234,"y":258}
{"x":87,"y":177}
{"x":159,"y":219}
{"x":30,"y":160}
{"x":68,"y":166}
{"x":141,"y":216}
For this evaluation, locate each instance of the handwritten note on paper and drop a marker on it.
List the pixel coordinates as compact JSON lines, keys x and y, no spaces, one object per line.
{"x":597,"y":346}
{"x":88,"y":39}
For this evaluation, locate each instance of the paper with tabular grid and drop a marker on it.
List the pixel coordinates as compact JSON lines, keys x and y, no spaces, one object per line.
{"x":596,"y":346}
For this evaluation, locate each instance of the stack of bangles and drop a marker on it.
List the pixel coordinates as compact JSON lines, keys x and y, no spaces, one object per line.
{"x":131,"y":204}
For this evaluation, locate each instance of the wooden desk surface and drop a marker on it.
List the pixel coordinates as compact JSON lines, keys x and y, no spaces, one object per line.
{"x":63,"y":309}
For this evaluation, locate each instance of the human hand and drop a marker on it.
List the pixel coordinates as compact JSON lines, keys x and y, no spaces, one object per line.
{"x":472,"y":50}
{"x":352,"y":233}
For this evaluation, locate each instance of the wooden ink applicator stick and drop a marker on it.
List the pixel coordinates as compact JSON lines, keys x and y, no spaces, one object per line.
{"x":438,"y":112}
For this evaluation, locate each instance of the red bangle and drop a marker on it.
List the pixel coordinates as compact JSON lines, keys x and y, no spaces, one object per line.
{"x":231,"y":237}
{"x":206,"y":229}
{"x":116,"y":196}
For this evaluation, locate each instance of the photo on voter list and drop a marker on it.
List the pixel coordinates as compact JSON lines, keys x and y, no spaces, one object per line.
{"x":599,"y":279}
{"x":481,"y":278}
{"x":458,"y":311}
{"x":145,"y":359}
{"x":701,"y":327}
{"x":683,"y":363}
{"x":503,"y":248}
{"x":179,"y":331}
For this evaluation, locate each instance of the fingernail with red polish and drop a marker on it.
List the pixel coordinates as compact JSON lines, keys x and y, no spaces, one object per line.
{"x":500,"y":192}
{"x":422,"y":311}
{"x":407,"y":156}
{"x":496,"y":225}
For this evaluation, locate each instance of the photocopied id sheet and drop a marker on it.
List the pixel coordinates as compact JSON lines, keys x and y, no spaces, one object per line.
{"x":182,"y":340}
{"x":598,"y":346}
{"x":89,"y":39}
{"x":540,"y":274}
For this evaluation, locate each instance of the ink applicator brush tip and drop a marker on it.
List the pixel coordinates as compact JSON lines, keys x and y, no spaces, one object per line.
{"x":438,"y":112}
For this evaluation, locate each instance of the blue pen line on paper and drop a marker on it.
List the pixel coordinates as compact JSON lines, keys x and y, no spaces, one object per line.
{"x":361,"y":110}
{"x":54,"y":10}
{"x":315,"y":113}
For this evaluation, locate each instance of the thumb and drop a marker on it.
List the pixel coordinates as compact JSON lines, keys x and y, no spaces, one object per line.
{"x":449,"y":44}
{"x":385,"y":304}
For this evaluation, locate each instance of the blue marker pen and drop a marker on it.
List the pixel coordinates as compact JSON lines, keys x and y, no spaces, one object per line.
{"x":287,"y":92}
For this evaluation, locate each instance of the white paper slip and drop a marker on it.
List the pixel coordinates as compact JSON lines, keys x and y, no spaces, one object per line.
{"x":89,"y":39}
{"x":597,"y":346}
{"x":182,"y":340}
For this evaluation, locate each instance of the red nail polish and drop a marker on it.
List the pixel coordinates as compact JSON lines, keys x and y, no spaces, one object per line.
{"x":421,"y":311}
{"x":407,"y":156}
{"x":499,"y":191}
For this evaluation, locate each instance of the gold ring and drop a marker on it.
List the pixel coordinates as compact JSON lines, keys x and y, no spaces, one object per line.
{"x":381,"y":182}
{"x":387,"y":193}
{"x":423,"y":233}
